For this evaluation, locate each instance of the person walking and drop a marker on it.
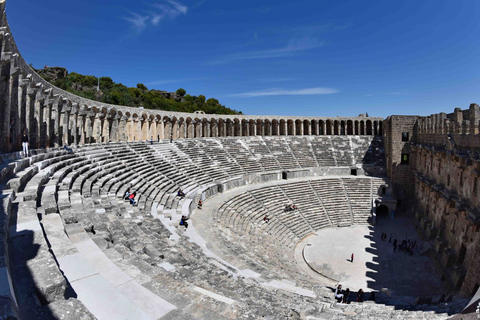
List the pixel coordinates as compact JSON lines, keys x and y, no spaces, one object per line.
{"x":351,"y":260}
{"x":25,"y":143}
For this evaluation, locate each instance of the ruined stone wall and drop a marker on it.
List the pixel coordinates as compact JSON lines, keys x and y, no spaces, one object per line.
{"x":398,"y":170}
{"x":443,"y":174}
{"x":446,"y":186}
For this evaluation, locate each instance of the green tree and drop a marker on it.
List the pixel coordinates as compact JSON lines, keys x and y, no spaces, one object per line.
{"x":141,"y":86}
{"x":181,"y":92}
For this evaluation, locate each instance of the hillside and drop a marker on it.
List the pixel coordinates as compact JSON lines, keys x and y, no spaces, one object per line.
{"x":119,"y":94}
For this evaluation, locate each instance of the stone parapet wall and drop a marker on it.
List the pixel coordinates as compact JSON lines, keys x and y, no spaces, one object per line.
{"x":461,"y":126}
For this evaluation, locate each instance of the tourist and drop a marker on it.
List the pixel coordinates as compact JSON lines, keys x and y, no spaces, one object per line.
{"x":171,"y":138}
{"x":338,"y":293}
{"x":25,"y":144}
{"x":345,"y":297}
{"x":151,"y":139}
{"x":266,"y":219}
{"x":360,"y":295}
{"x":132,"y":198}
{"x":127,"y":194}
{"x":183,"y":221}
{"x":372,"y":296}
{"x":351,"y":260}
{"x":180,"y":193}
{"x":199,"y":206}
{"x":66,"y":148}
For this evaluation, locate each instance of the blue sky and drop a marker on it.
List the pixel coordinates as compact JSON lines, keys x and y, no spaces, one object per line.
{"x":311,"y":58}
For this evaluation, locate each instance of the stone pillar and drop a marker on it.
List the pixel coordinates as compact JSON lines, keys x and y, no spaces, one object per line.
{"x":120,"y":128}
{"x":153,"y":129}
{"x":21,"y":109}
{"x":89,"y":127}
{"x":138,"y":129}
{"x":160,"y":130}
{"x":107,"y":119}
{"x":129,"y":126}
{"x":48,"y":122}
{"x":474,"y":118}
{"x":72,"y":124}
{"x":81,"y":126}
{"x":38,"y":122}
{"x":208,"y":132}
{"x":29,"y":112}
{"x":11,"y":114}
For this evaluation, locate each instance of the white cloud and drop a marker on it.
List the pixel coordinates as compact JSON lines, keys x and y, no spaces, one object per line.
{"x":167,"y":9}
{"x":282,"y":92}
{"x":294,"y":47}
{"x":138,"y":21}
{"x":161,"y":82}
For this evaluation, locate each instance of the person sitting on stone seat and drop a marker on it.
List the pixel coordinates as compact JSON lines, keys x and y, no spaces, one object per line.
{"x":127,"y":194}
{"x":266,"y":219}
{"x":338,"y":293}
{"x":346,"y":296}
{"x":132,"y":198}
{"x":183,"y":221}
{"x":67,"y":148}
{"x":180,"y":193}
{"x":200,"y":204}
{"x":360,"y":295}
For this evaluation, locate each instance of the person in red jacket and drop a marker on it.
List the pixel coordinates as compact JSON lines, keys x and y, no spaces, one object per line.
{"x":132,"y":198}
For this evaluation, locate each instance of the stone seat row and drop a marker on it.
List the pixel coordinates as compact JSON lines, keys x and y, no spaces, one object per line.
{"x":130,"y":251}
{"x":321,"y":203}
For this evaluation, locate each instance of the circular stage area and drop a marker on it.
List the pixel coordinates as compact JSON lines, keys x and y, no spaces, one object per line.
{"x":375,"y":265}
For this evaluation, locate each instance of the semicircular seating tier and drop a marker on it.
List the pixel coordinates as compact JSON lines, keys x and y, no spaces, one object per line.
{"x":94,"y":245}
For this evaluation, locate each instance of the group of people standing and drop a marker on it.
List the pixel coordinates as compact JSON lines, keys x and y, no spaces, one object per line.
{"x":405,"y":245}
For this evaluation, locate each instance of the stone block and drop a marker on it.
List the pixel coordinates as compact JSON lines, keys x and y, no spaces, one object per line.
{"x":71,"y":309}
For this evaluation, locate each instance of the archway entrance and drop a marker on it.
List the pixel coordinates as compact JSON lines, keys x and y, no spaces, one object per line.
{"x":382,"y":212}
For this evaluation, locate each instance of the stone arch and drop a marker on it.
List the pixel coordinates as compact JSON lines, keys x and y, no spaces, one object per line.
{"x":343,"y":128}
{"x":314,"y":127}
{"x":369,"y":127}
{"x":357,"y":131}
{"x":283,"y":131}
{"x":229,"y":130}
{"x":245,"y":127}
{"x":362,"y":127}
{"x":205,"y":128}
{"x":221,"y":128}
{"x":382,"y":212}
{"x":267,"y":127}
{"x":298,"y":128}
{"x":350,"y":128}
{"x":290,"y":127}
{"x":213,"y":127}
{"x":252,"y":127}
{"x":167,"y":127}
{"x":336,"y":127}
{"x":259,"y":127}
{"x":306,"y":128}
{"x":329,"y":127}
{"x":322,"y":128}
{"x":275,"y":127}
{"x":189,"y":128}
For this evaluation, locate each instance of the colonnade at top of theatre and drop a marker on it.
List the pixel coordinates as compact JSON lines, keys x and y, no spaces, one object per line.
{"x":53,"y":120}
